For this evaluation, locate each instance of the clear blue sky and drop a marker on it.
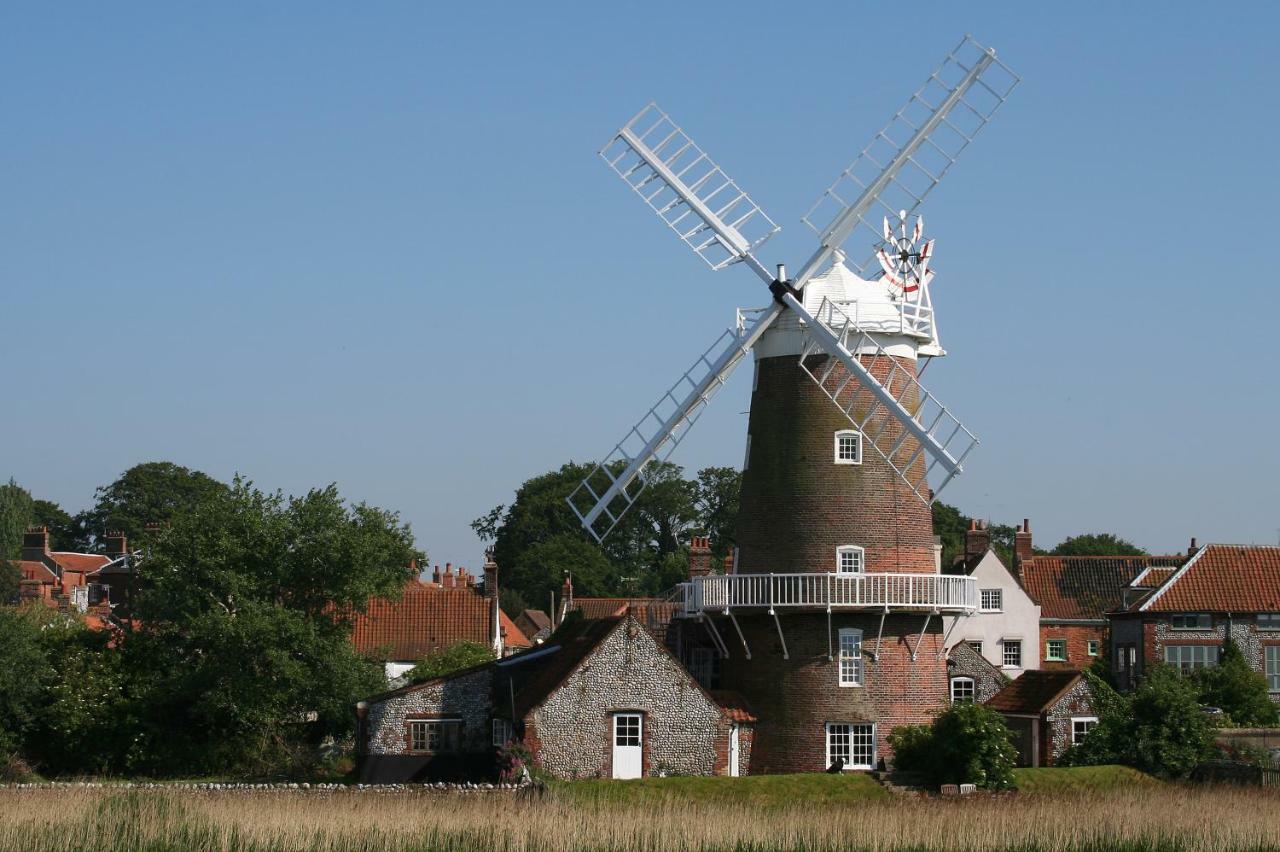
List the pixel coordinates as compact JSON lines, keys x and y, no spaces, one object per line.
{"x":371,"y":244}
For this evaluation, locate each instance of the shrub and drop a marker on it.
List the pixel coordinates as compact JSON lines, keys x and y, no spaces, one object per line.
{"x":443,"y":661}
{"x":966,"y":744}
{"x":1237,"y":689}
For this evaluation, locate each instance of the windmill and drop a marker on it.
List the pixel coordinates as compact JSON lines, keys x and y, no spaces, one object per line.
{"x":849,"y":347}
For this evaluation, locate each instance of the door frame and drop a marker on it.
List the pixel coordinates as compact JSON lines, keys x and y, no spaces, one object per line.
{"x":614,"y":718}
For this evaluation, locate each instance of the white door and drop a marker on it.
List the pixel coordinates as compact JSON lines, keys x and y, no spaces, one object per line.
{"x":733,"y":751}
{"x":627,"y":753}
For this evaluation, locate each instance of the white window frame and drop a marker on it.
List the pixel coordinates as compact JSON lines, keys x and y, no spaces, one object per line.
{"x":1048,"y":655}
{"x":849,"y":658}
{"x":1090,"y":721}
{"x":859,"y":555}
{"x":963,"y":681}
{"x":999,"y":600}
{"x":1093,"y":647}
{"x":857,"y":456}
{"x":1271,"y":666}
{"x":841,"y":740}
{"x":1186,"y":659}
{"x":1004,"y":653}
{"x":501,"y":732}
{"x":1269,"y":621}
{"x":1183,"y":616}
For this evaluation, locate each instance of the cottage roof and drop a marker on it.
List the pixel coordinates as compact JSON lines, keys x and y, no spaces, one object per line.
{"x":1221,"y":578}
{"x":79,"y":562}
{"x":1084,"y":587}
{"x":1034,"y":692}
{"x":428,"y":617}
{"x":36,"y":571}
{"x":535,"y":674}
{"x":734,"y":705}
{"x":654,"y":614}
{"x":539,"y":619}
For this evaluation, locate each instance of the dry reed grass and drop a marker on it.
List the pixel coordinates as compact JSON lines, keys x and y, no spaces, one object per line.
{"x":1170,"y":818}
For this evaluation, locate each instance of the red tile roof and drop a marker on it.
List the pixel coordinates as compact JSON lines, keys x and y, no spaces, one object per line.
{"x":512,"y":636}
{"x":1083,"y":587}
{"x":82,"y":562}
{"x":1222,"y":578}
{"x":38,"y":571}
{"x":1034,"y":692}
{"x":734,"y":705}
{"x":654,"y":613}
{"x":425,"y":618}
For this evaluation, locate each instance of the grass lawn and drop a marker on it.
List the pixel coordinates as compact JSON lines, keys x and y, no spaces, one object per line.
{"x":756,"y":790}
{"x":1069,"y":779}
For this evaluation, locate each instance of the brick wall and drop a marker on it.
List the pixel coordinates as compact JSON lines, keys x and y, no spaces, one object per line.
{"x":1077,"y":637}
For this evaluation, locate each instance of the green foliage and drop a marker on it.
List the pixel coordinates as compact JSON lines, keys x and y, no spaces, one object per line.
{"x":950,"y":524}
{"x":1056,"y":780}
{"x":443,"y":661}
{"x":966,"y":744}
{"x":64,"y":530}
{"x":1237,"y":689}
{"x":15,"y":515}
{"x":24,"y":673}
{"x":513,"y":603}
{"x":1096,"y":544}
{"x":717,"y":490}
{"x":152,"y":492}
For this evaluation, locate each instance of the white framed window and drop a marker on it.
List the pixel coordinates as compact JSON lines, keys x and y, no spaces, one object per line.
{"x":1269,"y":621}
{"x":850,"y":656}
{"x":853,"y":745}
{"x":848,"y":447}
{"x":501,"y":732}
{"x":746,"y":454}
{"x":1191,"y":621}
{"x":1093,"y":647}
{"x":1273,"y":668}
{"x":1188,"y":658}
{"x":1055,"y":650}
{"x":434,"y":735}
{"x":1011,"y":653}
{"x":1081,"y":726}
{"x":850,"y":559}
{"x":991,"y":600}
{"x":962,"y":690}
{"x":626,"y":729}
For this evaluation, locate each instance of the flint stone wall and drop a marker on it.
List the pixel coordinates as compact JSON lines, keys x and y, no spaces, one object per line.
{"x":1077,"y":702}
{"x":465,"y":698}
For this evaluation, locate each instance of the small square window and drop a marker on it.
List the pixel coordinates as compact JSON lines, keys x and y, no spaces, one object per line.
{"x":850,"y":559}
{"x":1055,"y":650}
{"x":1093,"y":647}
{"x":1081,"y":726}
{"x":961,"y":690}
{"x":1269,"y":621}
{"x":1012,"y":656}
{"x":992,"y":600}
{"x":1191,"y":621}
{"x":975,"y":644}
{"x":848,"y":447}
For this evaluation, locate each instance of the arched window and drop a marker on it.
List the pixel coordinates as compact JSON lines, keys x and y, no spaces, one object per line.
{"x":850,"y":656}
{"x":848,"y":447}
{"x":961,"y":690}
{"x":850,"y":559}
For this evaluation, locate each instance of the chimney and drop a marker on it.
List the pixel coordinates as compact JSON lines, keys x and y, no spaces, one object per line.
{"x":448,"y":575}
{"x":566,"y":591}
{"x":490,"y":575}
{"x":1193,"y":549}
{"x":462,"y":576}
{"x":435,"y":575}
{"x":728,"y":564}
{"x":1022,"y":549}
{"x":699,"y":556}
{"x":977,"y":540}
{"x":35,"y":544}
{"x":117,"y":544}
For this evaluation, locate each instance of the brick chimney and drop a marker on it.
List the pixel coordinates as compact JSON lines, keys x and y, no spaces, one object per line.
{"x":435,"y":575}
{"x":448,"y":575}
{"x":1193,"y":549}
{"x":977,"y":540}
{"x":1022,"y":549}
{"x":728,"y":563}
{"x":490,"y":575}
{"x":35,"y":544}
{"x":699,"y":556}
{"x":117,"y":544}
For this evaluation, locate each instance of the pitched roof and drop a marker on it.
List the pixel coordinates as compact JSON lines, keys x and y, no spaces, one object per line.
{"x":535,"y":674}
{"x":734,"y":705}
{"x":1034,"y":692}
{"x":80,"y":562}
{"x":537,"y":618}
{"x":36,"y":571}
{"x":654,"y":613}
{"x":1083,"y":587}
{"x":1222,"y":578}
{"x":425,"y":618}
{"x":512,"y":636}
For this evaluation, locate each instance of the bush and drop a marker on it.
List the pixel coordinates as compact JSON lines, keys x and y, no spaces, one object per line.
{"x":443,"y":661}
{"x":966,"y":744}
{"x":1237,"y":689}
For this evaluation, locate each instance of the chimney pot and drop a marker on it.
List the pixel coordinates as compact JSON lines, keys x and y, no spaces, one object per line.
{"x":699,"y":556}
{"x":977,"y":540}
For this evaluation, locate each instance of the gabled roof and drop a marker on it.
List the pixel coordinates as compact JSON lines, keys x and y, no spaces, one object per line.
{"x":1084,"y":587}
{"x":539,"y":619}
{"x":1034,"y":692}
{"x":1221,"y":578}
{"x":426,"y":617}
{"x":79,"y":562}
{"x":535,"y":674}
{"x":36,"y":571}
{"x":654,"y":613}
{"x":734,"y":705}
{"x":512,"y":636}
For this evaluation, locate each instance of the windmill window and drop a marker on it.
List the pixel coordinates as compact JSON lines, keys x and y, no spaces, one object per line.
{"x":850,"y":559}
{"x":848,"y":447}
{"x":850,"y":657}
{"x":852,"y":746}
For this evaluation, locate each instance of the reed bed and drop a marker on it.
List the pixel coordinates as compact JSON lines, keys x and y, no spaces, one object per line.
{"x":1165,"y":818}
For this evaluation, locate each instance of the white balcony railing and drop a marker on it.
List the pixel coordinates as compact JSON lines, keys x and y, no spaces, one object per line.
{"x":919,"y":592}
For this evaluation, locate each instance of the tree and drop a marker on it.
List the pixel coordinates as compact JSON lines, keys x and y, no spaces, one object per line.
{"x":244,"y":658}
{"x":24,"y":672}
{"x":717,"y":490}
{"x":152,"y":492}
{"x":64,"y":532}
{"x":15,"y":516}
{"x":1096,"y":544}
{"x":443,"y":661}
{"x":1237,"y":689}
{"x":966,"y":744}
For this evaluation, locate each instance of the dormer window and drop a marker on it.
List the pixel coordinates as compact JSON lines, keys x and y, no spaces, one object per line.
{"x":848,"y":447}
{"x":850,"y":559}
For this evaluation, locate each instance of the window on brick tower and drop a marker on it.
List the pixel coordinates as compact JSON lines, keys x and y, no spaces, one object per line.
{"x":850,"y":559}
{"x":850,"y":657}
{"x":961,"y":690}
{"x":1055,"y":650}
{"x":848,"y":447}
{"x":852,"y":745}
{"x":1012,"y":655}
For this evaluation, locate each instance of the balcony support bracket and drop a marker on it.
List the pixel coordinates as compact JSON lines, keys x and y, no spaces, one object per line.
{"x":746,"y":649}
{"x":942,"y":652}
{"x":715,"y":637}
{"x":831,"y":652}
{"x":920,"y":641}
{"x":880,"y":633}
{"x":778,"y":623}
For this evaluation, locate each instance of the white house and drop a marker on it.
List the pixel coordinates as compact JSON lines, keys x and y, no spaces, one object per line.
{"x":1006,"y":627}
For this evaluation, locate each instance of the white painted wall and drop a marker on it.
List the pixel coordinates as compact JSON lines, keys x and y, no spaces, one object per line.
{"x":1019,"y":618}
{"x":395,"y":671}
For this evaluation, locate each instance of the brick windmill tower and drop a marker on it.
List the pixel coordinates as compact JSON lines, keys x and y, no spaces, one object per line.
{"x":830,"y":622}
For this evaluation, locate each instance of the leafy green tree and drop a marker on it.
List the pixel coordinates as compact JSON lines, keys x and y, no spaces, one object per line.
{"x":244,"y":657}
{"x":543,"y":565}
{"x":1096,"y":544}
{"x":949,"y":524}
{"x":152,"y":492}
{"x":64,"y":531}
{"x":1237,"y":689}
{"x":15,"y":516}
{"x":443,"y":661}
{"x":966,"y":744}
{"x":24,"y":673}
{"x":512,"y":602}
{"x":716,"y":494}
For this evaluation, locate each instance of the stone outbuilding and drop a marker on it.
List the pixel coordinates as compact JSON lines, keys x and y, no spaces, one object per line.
{"x":1048,"y":712}
{"x":972,"y":676}
{"x":601,"y":698}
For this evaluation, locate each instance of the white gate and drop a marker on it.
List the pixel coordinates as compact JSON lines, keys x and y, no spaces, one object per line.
{"x":628,"y":761}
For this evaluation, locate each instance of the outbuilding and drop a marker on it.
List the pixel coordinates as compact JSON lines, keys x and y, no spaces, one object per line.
{"x":1048,"y":712}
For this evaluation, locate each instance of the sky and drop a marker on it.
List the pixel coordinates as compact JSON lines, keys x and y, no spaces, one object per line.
{"x":371,"y":244}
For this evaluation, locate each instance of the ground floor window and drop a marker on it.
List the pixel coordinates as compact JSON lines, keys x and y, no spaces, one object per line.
{"x":1187,"y":658}
{"x":1081,"y":726}
{"x":434,"y":735}
{"x":961,"y":690}
{"x":852,"y":746}
{"x":501,"y":732}
{"x":1273,"y":668}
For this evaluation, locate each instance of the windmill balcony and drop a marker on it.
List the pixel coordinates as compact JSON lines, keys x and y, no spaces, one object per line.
{"x":932,"y":593}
